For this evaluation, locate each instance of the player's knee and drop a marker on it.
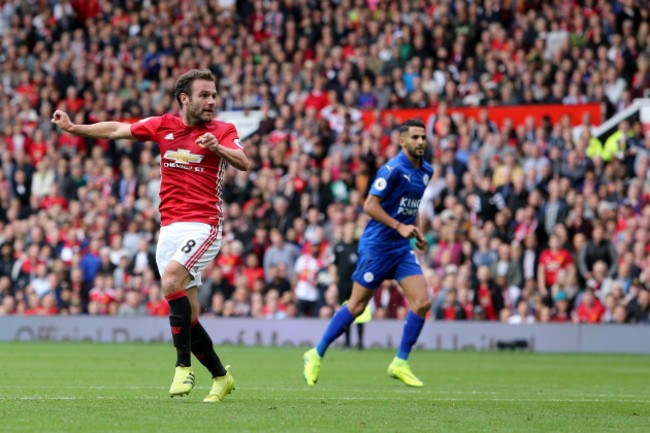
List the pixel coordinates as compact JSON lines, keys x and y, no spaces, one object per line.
{"x":422,"y":306}
{"x":171,"y":283}
{"x":356,"y":309}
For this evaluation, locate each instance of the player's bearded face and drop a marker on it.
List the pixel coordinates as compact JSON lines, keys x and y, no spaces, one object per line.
{"x":201,"y":103}
{"x":415,"y":142}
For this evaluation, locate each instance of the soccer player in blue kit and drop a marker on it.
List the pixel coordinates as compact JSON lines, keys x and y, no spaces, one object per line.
{"x":385,"y":252}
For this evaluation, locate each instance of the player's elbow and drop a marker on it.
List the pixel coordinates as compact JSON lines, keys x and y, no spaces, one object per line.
{"x":368,"y":207}
{"x":244,"y":165}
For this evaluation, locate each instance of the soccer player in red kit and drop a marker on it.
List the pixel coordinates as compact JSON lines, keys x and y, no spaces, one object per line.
{"x":194,"y":150}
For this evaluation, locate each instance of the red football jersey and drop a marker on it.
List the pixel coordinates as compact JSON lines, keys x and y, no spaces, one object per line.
{"x":191,"y":175}
{"x":553,"y":262}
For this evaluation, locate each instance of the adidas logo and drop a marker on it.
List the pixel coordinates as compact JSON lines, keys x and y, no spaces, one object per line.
{"x":169,"y":136}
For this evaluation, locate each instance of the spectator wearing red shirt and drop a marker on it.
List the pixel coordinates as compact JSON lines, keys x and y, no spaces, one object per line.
{"x":39,"y":147}
{"x":486,"y":294}
{"x":590,"y":310}
{"x":252,"y":271}
{"x":451,"y":309}
{"x":30,"y":262}
{"x":552,"y":260}
{"x":317,"y":97}
{"x":229,"y":261}
{"x":102,"y":293}
{"x":157,"y":305}
{"x":53,"y":199}
{"x":46,"y":307}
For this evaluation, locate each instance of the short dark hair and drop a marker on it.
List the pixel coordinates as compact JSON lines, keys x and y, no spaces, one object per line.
{"x":184,"y":82}
{"x":410,"y":123}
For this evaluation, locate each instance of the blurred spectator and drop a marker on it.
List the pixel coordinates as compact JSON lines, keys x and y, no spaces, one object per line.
{"x":522,"y":314}
{"x":451,"y":309}
{"x":241,"y":299}
{"x":133,"y":305}
{"x":389,"y":301}
{"x":597,"y":249}
{"x":638,"y":309}
{"x":507,"y":269}
{"x":280,"y":251}
{"x":273,"y":308}
{"x":304,"y":284}
{"x":589,"y":310}
{"x":252,"y":270}
{"x":551,"y":261}
{"x":561,"y":312}
{"x":156,"y":304}
{"x":91,"y":261}
{"x":486,"y":294}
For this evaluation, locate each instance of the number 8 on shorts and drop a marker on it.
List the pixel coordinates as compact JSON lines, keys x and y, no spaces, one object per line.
{"x":193,"y":245}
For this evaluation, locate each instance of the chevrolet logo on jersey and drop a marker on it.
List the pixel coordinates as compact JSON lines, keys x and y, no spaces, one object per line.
{"x":183,"y":156}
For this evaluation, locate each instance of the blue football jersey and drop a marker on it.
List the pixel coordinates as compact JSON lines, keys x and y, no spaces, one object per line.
{"x":400,"y":186}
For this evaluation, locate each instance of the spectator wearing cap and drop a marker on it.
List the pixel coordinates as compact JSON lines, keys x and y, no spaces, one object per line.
{"x":561,"y":310}
{"x":478,"y":314}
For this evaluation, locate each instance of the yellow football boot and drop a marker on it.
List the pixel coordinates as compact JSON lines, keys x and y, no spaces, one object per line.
{"x":183,"y":381}
{"x":400,"y":369}
{"x":311,"y":360}
{"x":221,"y":387}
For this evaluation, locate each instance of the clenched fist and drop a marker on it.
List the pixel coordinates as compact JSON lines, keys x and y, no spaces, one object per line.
{"x":61,"y":119}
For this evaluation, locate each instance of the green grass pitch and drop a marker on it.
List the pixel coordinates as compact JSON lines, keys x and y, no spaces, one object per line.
{"x":85,"y":387}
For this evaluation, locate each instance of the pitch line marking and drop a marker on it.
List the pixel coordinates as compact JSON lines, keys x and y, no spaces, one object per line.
{"x":448,"y":400}
{"x":594,"y":396}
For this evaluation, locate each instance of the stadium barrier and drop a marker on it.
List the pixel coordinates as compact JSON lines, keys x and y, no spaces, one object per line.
{"x":481,"y":336}
{"x":247,"y":121}
{"x":498,"y":114}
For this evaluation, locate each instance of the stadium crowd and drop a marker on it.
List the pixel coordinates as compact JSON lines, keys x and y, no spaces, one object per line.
{"x":526,"y":223}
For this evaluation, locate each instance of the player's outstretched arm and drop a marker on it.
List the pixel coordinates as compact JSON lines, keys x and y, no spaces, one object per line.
{"x":373,"y":208}
{"x":108,"y":130}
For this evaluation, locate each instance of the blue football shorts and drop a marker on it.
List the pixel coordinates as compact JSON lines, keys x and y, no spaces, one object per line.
{"x":374,"y":267}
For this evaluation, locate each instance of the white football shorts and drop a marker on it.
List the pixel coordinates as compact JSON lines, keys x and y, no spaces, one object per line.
{"x":193,"y":245}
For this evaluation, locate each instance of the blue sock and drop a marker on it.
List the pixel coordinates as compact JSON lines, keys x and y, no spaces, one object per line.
{"x":412,"y":328}
{"x":341,"y":320}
